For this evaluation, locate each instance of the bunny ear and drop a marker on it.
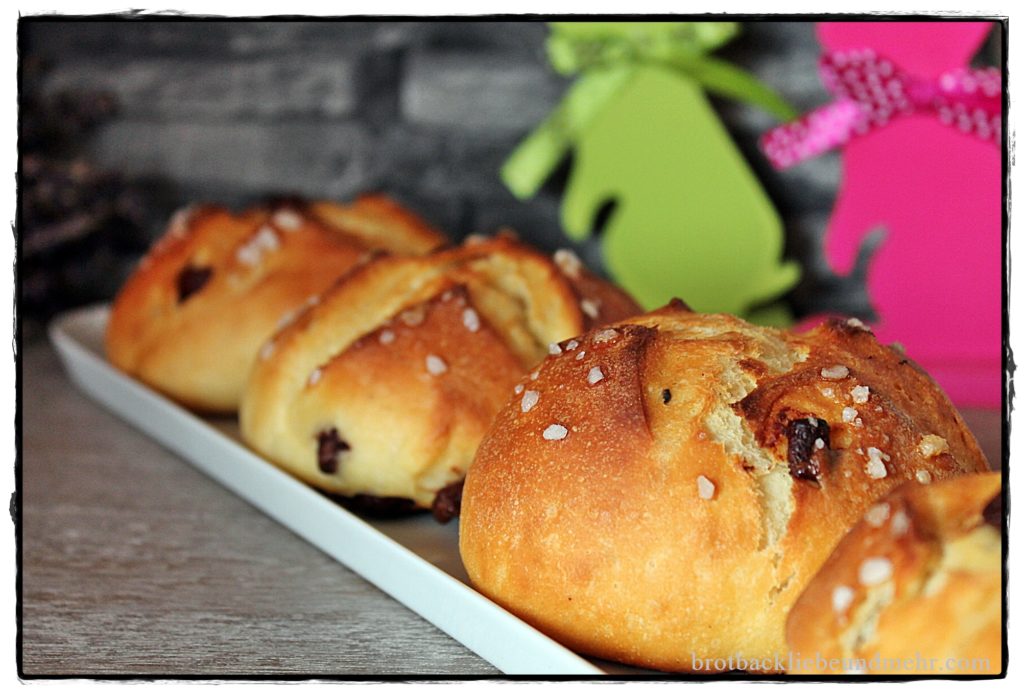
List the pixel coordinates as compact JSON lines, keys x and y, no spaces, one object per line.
{"x":926,"y":49}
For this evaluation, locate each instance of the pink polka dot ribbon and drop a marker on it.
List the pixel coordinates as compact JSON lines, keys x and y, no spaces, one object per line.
{"x":871,"y":90}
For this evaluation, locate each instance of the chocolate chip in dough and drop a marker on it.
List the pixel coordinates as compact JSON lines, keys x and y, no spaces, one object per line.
{"x":329,"y":446}
{"x":191,"y":279}
{"x":448,"y":502}
{"x":383,"y":507}
{"x":666,"y":395}
{"x":993,"y":512}
{"x":803,"y":435}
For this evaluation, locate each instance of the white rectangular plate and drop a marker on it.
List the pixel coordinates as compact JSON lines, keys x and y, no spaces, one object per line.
{"x":415,"y":560}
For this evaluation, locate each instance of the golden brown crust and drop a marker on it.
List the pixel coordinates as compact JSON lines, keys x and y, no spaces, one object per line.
{"x":407,"y":360}
{"x":600,"y":301}
{"x":190,"y":319}
{"x":666,"y":523}
{"x":918,"y":579}
{"x":377,"y":221}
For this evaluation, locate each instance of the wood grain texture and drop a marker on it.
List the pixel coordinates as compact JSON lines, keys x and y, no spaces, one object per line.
{"x":136,"y":563}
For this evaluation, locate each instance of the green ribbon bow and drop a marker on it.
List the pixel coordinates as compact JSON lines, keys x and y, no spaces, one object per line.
{"x":606,"y":54}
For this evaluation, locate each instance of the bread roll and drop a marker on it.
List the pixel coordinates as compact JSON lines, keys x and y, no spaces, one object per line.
{"x":915,"y":588}
{"x":385,"y":387}
{"x":191,"y":318}
{"x":680,"y":477}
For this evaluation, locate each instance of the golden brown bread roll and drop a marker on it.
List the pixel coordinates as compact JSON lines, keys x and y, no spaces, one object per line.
{"x":915,"y":588}
{"x":191,"y":318}
{"x":385,"y":387}
{"x":678,"y":478}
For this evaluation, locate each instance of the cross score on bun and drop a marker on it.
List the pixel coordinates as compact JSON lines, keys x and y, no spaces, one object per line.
{"x":918,"y":579}
{"x":678,"y":478}
{"x":384,"y":388}
{"x":193,"y":315}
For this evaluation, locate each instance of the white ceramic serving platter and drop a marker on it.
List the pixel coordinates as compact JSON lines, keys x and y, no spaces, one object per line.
{"x":415,"y":560}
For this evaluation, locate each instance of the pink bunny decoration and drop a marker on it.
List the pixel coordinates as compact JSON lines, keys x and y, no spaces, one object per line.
{"x":922,"y":158}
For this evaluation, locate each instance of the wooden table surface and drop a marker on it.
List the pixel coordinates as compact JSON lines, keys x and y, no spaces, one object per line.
{"x":135,"y":563}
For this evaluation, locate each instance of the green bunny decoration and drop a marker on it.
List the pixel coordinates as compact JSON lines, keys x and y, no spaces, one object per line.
{"x":690,"y":218}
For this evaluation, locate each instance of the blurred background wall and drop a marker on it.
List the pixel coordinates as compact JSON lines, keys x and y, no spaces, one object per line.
{"x":124,"y":121}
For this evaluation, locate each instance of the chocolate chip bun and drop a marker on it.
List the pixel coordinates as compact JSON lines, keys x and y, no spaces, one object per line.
{"x":915,"y":588}
{"x":666,"y":487}
{"x":385,"y":387}
{"x":191,"y":318}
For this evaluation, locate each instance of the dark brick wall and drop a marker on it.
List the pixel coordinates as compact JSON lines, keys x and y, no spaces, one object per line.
{"x":230,"y":111}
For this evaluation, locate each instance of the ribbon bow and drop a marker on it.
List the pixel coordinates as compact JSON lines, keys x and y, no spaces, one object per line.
{"x":871,"y":90}
{"x":606,"y":54}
